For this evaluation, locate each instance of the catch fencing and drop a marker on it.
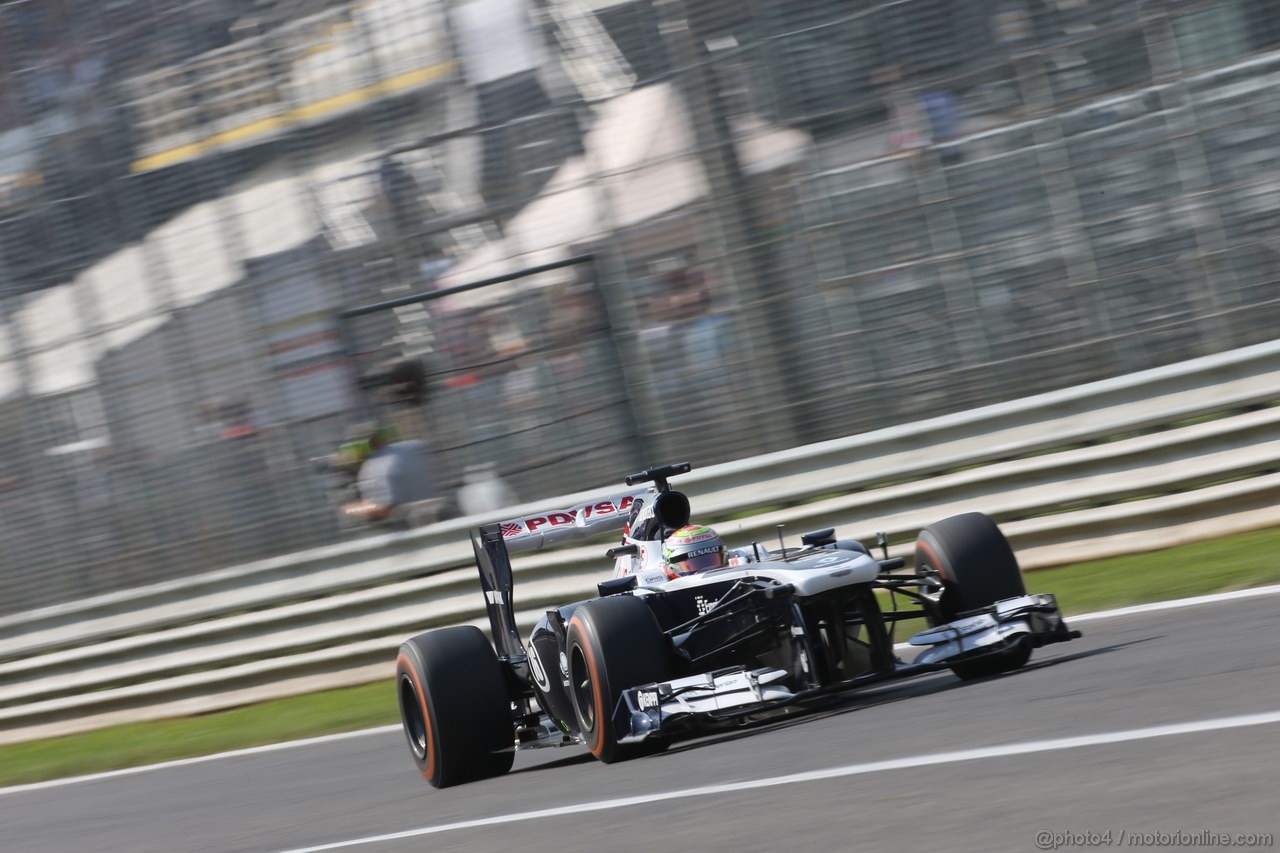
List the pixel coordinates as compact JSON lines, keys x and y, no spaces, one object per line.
{"x":807,"y":220}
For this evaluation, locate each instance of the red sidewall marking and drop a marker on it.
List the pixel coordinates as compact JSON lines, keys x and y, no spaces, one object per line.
{"x":932,"y":556}
{"x":596,"y":694}
{"x":403,"y":661}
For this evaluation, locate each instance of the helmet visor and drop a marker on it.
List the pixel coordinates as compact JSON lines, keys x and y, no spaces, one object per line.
{"x":698,"y":560}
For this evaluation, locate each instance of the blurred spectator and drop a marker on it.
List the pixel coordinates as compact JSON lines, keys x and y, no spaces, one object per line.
{"x":466,"y":341}
{"x":400,"y":196}
{"x":228,"y":418}
{"x":234,"y":449}
{"x":45,"y":82}
{"x":943,"y":112}
{"x":656,"y":340}
{"x":503,"y":62}
{"x":476,"y":376}
{"x":396,"y":483}
{"x":483,"y":491}
{"x":909,"y":131}
{"x":698,"y":325}
{"x":574,"y":321}
{"x":84,"y":75}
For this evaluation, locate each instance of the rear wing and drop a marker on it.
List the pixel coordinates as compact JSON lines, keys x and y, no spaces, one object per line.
{"x":539,"y":530}
{"x":493,"y":544}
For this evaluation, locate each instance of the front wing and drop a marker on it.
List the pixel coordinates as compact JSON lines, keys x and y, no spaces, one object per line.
{"x":737,"y":692}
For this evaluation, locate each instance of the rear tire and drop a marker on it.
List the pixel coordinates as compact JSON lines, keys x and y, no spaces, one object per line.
{"x":978,"y":568}
{"x":454,"y":706}
{"x":613,"y":644}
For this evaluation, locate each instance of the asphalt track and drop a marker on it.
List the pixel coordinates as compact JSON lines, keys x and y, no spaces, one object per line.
{"x":1163,"y":721}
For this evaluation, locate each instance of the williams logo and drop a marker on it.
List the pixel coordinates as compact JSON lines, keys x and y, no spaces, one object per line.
{"x":539,"y":674}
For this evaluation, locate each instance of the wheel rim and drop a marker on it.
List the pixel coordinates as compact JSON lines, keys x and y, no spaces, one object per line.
{"x":584,"y":700}
{"x":415,"y":724}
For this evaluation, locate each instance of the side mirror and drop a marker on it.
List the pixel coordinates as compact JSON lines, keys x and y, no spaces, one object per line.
{"x":818,"y":538}
{"x":613,"y":586}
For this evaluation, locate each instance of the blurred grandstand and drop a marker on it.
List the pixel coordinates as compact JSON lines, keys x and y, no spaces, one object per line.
{"x":805,"y":218}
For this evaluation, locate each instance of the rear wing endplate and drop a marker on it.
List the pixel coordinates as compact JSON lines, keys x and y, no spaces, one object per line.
{"x":495,"y":579}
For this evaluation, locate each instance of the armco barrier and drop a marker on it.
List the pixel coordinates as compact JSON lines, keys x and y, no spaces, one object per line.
{"x":329,"y":616}
{"x":1149,"y":465}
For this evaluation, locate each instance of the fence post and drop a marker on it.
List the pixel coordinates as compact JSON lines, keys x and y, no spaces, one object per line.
{"x":742,"y":242}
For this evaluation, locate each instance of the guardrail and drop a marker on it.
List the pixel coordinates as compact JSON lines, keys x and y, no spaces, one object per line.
{"x":1126,"y":464}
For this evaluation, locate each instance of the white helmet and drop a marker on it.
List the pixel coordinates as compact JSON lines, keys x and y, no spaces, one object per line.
{"x":692,"y":548}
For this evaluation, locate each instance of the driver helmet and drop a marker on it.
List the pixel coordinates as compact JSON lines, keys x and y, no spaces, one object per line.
{"x":692,"y":548}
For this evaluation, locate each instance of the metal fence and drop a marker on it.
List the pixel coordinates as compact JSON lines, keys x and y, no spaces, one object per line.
{"x":807,"y":219}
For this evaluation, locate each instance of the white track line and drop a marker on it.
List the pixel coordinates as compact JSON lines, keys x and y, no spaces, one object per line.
{"x":1005,"y":750}
{"x":1178,"y":603}
{"x":1175,"y":604}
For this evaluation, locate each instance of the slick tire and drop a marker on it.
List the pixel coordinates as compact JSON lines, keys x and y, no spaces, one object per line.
{"x":613,"y":644}
{"x":454,"y":706}
{"x":978,"y":568}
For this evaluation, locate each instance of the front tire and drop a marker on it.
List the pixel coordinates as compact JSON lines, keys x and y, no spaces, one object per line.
{"x":454,"y":706}
{"x":613,"y":644}
{"x":978,"y":568}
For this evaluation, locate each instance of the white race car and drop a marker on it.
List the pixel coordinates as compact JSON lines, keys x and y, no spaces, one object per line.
{"x":654,"y":657}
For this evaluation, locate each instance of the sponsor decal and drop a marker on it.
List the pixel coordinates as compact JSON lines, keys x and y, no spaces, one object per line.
{"x":539,"y":674}
{"x":564,"y":664}
{"x":553,"y":519}
{"x":534,"y":523}
{"x":606,"y":507}
{"x":704,"y":605}
{"x":493,"y":596}
{"x":647,"y":700}
{"x":971,"y":625}
{"x":698,"y":552}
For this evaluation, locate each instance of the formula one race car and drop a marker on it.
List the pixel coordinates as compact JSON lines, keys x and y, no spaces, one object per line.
{"x":654,"y":657}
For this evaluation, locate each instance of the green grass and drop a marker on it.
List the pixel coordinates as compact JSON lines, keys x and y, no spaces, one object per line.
{"x":1230,"y":563}
{"x":1217,"y":565}
{"x":341,"y":710}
